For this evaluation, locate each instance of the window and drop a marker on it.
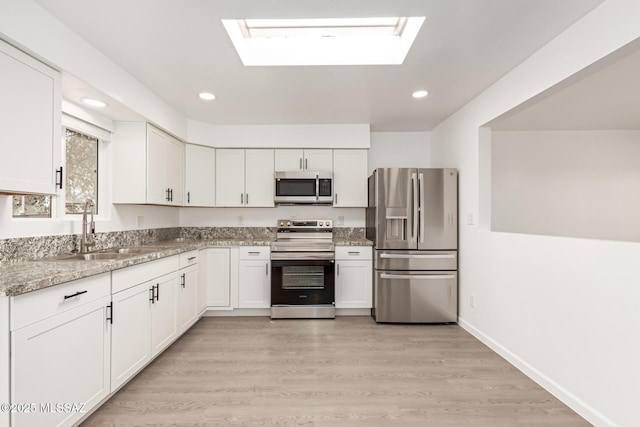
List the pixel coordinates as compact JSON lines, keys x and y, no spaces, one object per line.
{"x":81,"y":171}
{"x":81,"y":180}
{"x":32,"y":206}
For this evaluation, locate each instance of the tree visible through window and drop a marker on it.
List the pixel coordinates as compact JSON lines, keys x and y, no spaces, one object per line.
{"x":81,"y":182}
{"x":82,"y":171}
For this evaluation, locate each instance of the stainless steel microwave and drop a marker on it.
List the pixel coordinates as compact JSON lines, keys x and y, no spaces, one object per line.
{"x":292,"y":188}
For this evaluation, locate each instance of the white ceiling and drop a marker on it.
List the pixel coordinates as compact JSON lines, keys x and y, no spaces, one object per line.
{"x":180,"y":48}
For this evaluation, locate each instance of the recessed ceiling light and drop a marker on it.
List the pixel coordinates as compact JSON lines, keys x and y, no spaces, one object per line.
{"x":207,"y":96}
{"x":94,"y":102}
{"x":420,"y":94}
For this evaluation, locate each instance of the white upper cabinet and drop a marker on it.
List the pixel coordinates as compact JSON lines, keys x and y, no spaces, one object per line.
{"x":200,"y":176}
{"x":30,"y":119}
{"x":259,"y":180}
{"x":350,"y":178}
{"x":244,"y":178}
{"x":148,"y":165}
{"x":312,"y":160}
{"x":229,"y":177}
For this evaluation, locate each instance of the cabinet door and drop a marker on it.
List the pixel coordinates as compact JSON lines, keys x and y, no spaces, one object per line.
{"x":200,"y":175}
{"x":164,"y":312}
{"x":62,"y":359}
{"x":353,"y":284}
{"x":318,"y":160}
{"x":130,"y":333}
{"x":215,"y":275}
{"x":254,"y":287}
{"x":188,"y":300}
{"x":157,"y":152}
{"x":174,"y":170}
{"x":259,"y":180}
{"x":287,"y":160}
{"x":350,"y":178}
{"x":30,"y":121}
{"x":229,"y":177}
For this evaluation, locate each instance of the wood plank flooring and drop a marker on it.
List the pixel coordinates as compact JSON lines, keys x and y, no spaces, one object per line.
{"x":344,"y":372}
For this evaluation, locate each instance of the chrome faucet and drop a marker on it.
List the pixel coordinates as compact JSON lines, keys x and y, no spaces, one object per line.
{"x":88,"y":228}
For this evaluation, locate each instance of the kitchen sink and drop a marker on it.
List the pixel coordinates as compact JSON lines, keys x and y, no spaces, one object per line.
{"x":107,"y":254}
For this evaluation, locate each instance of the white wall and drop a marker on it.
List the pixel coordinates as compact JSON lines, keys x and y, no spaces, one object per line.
{"x":563,"y":310}
{"x":566,"y":183}
{"x":399,"y":149}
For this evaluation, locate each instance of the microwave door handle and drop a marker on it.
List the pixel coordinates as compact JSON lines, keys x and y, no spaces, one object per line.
{"x":317,"y":187}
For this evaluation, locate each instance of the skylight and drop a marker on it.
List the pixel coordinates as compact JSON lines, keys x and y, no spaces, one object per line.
{"x":335,"y":41}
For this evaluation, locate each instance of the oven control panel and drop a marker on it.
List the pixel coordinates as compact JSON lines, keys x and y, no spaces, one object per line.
{"x":305,"y":223}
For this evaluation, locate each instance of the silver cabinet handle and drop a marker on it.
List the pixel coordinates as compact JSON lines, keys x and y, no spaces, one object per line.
{"x":191,"y":258}
{"x":306,"y":164}
{"x":417,"y":276}
{"x":354,"y":252}
{"x":253,"y":253}
{"x":241,"y":199}
{"x":300,"y":163}
{"x":338,"y":267}
{"x":336,"y":202}
{"x":398,"y":256}
{"x":266,"y":269}
{"x":246,"y":198}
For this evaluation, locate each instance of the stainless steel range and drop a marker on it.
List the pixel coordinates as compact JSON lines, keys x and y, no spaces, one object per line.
{"x":302,"y":270}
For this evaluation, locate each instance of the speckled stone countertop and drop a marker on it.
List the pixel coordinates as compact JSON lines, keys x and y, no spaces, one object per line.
{"x":26,"y":276}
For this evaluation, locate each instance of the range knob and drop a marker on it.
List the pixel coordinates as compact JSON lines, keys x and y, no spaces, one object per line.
{"x":288,"y":223}
{"x":327,"y":223}
{"x":281,"y":223}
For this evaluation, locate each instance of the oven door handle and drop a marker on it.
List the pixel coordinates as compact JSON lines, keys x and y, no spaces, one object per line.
{"x":302,"y":256}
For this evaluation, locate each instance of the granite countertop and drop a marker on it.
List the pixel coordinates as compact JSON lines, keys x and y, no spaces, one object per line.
{"x":27,"y":276}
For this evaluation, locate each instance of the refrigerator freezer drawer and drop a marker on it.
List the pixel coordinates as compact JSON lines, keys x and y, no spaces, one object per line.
{"x":416,"y":297}
{"x":416,"y":260}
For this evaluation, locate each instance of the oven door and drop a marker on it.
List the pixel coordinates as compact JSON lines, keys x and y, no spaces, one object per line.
{"x":302,"y":281}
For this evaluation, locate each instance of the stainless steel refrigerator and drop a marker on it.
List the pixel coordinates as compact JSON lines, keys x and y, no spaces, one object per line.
{"x":412,"y":218}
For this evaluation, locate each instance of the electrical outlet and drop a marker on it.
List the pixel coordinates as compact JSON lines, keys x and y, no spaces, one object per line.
{"x":341,"y":220}
{"x":139,"y":221}
{"x":240,"y":219}
{"x":472,"y":301}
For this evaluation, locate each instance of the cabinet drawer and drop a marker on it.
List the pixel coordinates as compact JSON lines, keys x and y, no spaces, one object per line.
{"x":38,"y":305}
{"x":353,"y":252}
{"x":188,"y":258}
{"x":127,"y":277}
{"x":255,"y":252}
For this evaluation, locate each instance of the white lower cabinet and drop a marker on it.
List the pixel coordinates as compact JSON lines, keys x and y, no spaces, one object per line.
{"x":188,"y":300}
{"x":214,"y":278}
{"x":354,"y":277}
{"x":130,"y":338}
{"x":144,"y":315}
{"x":164,"y":313}
{"x":60,"y":364}
{"x":254,"y":277}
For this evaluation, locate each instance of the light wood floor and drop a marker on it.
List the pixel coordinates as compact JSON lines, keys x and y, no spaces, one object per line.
{"x":344,"y":372}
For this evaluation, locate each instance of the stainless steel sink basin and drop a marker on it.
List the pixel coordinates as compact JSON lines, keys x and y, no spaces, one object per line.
{"x":107,"y":254}
{"x":98,"y":256}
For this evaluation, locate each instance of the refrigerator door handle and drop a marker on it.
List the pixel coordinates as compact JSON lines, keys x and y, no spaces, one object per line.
{"x":417,"y":276}
{"x":421,"y":209}
{"x":414,"y":218}
{"x":407,"y":256}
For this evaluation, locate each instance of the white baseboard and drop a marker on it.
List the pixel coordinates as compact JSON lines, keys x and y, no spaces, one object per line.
{"x":566,"y":397}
